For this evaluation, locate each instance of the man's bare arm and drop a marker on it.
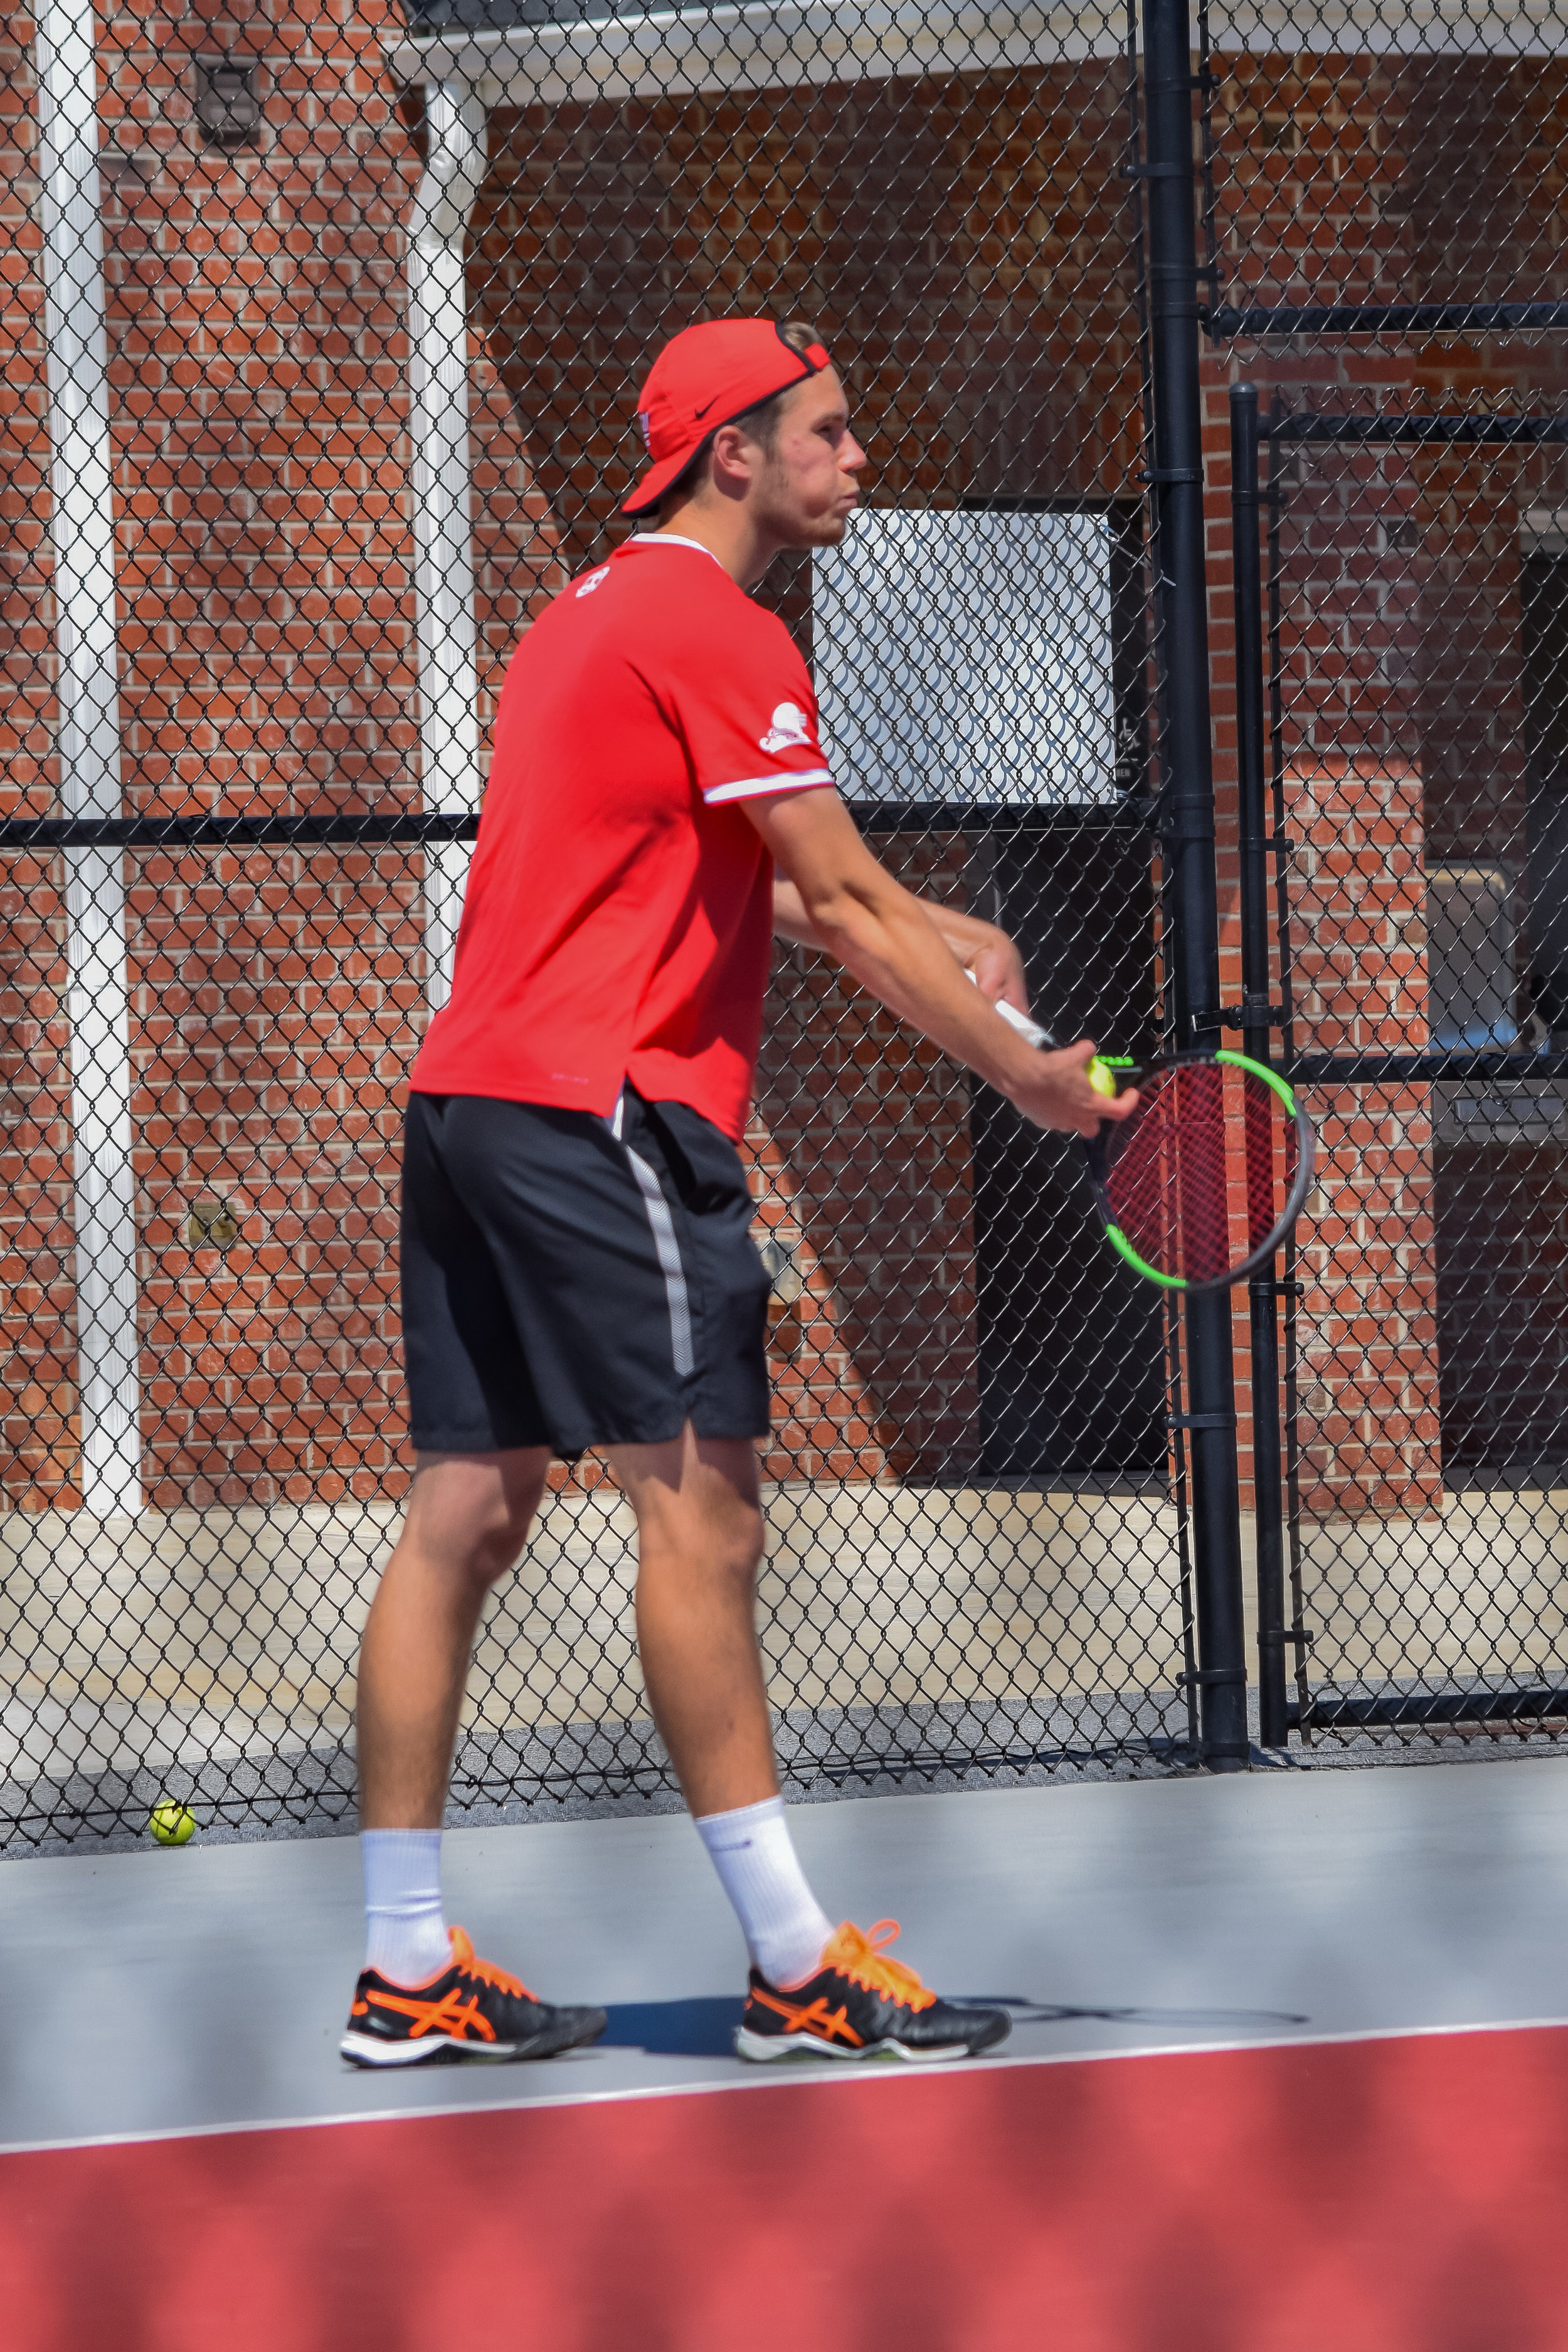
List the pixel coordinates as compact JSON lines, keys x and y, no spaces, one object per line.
{"x":890,"y":940}
{"x":980,"y":948}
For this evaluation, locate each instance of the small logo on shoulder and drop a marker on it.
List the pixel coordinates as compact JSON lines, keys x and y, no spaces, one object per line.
{"x":788,"y":731}
{"x":594,"y":579}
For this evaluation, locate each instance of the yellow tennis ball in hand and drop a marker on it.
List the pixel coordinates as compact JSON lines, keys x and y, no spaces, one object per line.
{"x":171,"y":1824}
{"x":1102,"y":1078}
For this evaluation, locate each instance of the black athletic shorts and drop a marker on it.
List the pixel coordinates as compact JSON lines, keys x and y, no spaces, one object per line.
{"x":571,"y":1281}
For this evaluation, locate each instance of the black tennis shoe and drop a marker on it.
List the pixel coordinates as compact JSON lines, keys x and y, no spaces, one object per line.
{"x":471,"y":2010}
{"x":860,"y":2005}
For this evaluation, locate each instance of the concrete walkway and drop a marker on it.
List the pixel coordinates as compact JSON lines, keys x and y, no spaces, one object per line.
{"x":167,"y":1992}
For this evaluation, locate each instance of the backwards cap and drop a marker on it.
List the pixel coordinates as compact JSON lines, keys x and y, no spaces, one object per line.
{"x":707,"y":377}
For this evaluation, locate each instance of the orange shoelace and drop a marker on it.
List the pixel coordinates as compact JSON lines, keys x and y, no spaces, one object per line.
{"x":863,"y":1959}
{"x":465,"y":1956}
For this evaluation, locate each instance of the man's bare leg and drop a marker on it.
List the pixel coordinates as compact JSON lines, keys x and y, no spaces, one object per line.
{"x":421,"y":1994}
{"x":469,"y":1517}
{"x":699,"y":1539}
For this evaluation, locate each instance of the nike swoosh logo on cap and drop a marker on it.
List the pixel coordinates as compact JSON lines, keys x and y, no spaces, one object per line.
{"x":700,"y":412}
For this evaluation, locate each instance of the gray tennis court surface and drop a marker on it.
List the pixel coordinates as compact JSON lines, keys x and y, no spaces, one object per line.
{"x":180,"y":1991}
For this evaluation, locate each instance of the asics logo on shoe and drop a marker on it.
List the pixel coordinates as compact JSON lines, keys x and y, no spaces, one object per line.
{"x":450,"y":2015}
{"x":815,"y":2018}
{"x":594,"y":579}
{"x":788,"y":730}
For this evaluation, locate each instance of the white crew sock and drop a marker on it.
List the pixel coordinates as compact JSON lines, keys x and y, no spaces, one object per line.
{"x":406,"y":1933}
{"x":785,"y":1926}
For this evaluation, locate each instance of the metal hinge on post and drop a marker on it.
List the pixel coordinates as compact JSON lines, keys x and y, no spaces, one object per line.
{"x":1204,"y":78}
{"x":1200,"y":1421}
{"x":1252,"y":1013}
{"x":1175,"y":822}
{"x":1286,"y":1636}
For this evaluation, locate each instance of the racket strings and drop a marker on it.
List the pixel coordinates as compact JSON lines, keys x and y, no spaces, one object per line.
{"x":1205,"y":1140}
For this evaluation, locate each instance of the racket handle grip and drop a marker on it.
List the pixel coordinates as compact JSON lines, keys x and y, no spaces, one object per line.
{"x":1101,"y":1077}
{"x":1029,"y":1031}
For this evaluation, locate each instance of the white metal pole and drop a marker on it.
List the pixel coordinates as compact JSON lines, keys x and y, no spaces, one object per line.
{"x":97,"y":999}
{"x":442,"y":496}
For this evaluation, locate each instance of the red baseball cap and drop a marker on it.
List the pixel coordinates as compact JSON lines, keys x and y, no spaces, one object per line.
{"x":706,"y":377}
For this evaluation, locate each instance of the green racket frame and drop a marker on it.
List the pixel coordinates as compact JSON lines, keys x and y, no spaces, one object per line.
{"x":1097,"y":1154}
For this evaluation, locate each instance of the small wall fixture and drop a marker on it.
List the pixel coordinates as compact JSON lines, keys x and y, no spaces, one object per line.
{"x":227,"y":108}
{"x":211,"y":1224}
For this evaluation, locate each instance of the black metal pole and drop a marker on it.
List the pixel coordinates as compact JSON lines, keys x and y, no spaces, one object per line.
{"x":1276,"y":496}
{"x":1187,"y":829}
{"x":1262,"y":1295}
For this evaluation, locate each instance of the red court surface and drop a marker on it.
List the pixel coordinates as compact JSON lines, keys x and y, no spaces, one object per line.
{"x":1402,"y":2194}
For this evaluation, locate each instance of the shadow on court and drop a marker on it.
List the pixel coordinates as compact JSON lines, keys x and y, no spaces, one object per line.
{"x":675,"y":2029}
{"x":1199,"y":2021}
{"x":705,"y":2028}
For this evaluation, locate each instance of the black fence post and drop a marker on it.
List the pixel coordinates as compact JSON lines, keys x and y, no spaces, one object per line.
{"x":1187,"y":828}
{"x":1263,"y":1300}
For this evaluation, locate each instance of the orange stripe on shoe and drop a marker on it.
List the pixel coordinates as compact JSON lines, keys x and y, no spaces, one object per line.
{"x":449,"y":2015}
{"x":814,"y":2018}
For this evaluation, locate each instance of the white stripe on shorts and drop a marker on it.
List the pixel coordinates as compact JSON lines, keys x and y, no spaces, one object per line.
{"x":667,"y":1246}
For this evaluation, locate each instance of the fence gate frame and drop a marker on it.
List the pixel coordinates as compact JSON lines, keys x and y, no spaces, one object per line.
{"x":1266,"y":921}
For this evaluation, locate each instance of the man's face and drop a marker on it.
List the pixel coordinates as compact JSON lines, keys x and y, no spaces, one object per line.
{"x":806,"y":486}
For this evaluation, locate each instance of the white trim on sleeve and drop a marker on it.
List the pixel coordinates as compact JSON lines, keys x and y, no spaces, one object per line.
{"x":752,"y":787}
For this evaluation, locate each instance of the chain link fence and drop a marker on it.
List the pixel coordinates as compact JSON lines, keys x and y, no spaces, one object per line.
{"x":1396,"y":286}
{"x":326,"y":327}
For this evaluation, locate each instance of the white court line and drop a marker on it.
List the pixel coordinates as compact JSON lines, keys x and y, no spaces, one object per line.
{"x":790,"y":2075}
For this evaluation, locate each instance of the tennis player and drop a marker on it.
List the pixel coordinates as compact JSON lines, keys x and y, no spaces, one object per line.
{"x":576,"y":1261}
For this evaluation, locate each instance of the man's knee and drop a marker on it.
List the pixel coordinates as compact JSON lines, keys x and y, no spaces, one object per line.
{"x":726,"y":1541}
{"x":498,"y":1547}
{"x":747,"y":1541}
{"x":476,"y":1511}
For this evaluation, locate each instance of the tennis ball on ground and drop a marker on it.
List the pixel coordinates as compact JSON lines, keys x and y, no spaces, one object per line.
{"x":1102,"y":1078}
{"x":171,"y":1824}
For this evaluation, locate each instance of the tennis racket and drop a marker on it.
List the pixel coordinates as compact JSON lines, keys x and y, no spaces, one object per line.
{"x":1199,"y":1188}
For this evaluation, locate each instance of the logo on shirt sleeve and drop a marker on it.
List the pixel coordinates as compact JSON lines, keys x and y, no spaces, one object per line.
{"x":790,"y":731}
{"x":594,"y":579}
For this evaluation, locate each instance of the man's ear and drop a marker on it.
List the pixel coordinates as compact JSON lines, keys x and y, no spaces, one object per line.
{"x":734,"y":460}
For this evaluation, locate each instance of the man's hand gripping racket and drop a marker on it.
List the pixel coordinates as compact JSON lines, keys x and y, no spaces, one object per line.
{"x":1200,"y":1184}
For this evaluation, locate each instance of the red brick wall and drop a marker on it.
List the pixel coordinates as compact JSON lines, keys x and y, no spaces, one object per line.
{"x":964,"y":241}
{"x":258,"y":395}
{"x":937,"y":232}
{"x":1357,"y":179}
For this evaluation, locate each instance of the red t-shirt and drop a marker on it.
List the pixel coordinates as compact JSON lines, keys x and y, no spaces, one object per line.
{"x":619,"y":905}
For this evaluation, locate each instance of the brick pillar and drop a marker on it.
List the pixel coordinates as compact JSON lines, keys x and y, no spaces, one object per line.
{"x":1369,"y":1378}
{"x":1318,"y":200}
